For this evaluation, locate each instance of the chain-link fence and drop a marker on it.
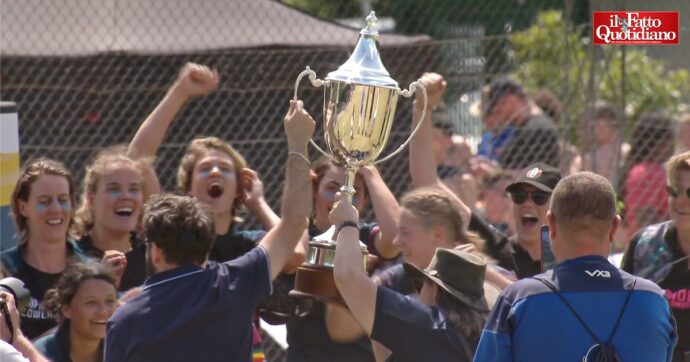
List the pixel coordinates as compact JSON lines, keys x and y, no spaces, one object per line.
{"x":85,"y":74}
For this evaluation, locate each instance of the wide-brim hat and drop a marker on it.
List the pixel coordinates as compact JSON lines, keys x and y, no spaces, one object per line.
{"x":462,"y":275}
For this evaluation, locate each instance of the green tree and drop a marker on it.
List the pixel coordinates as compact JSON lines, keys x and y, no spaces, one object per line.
{"x":546,"y":57}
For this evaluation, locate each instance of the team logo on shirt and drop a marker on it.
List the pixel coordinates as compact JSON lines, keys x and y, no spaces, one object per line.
{"x":534,"y":173}
{"x":598,"y":273}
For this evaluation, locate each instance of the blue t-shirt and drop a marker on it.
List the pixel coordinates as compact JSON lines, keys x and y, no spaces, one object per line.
{"x":413,"y":331}
{"x":192,"y":314}
{"x":531,"y":323}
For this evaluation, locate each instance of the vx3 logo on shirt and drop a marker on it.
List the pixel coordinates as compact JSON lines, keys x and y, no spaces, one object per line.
{"x":599,"y":273}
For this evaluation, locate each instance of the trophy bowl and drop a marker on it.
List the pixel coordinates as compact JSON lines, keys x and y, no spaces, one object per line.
{"x":360,"y":99}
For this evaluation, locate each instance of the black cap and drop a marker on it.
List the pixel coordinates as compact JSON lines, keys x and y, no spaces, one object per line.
{"x":501,"y":87}
{"x":539,"y":175}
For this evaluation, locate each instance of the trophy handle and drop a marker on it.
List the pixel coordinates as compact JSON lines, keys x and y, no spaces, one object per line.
{"x":316,"y":83}
{"x":407,"y":93}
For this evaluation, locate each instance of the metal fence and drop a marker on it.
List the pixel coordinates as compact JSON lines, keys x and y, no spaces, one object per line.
{"x":85,"y":74}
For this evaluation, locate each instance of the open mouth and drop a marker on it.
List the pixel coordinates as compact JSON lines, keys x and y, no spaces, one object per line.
{"x":55,"y":222}
{"x":529,"y":220}
{"x":215,"y":190}
{"x":99,"y":323}
{"x":124,"y":211}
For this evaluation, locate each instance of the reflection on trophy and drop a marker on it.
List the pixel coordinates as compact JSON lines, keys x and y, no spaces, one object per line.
{"x":359,"y":105}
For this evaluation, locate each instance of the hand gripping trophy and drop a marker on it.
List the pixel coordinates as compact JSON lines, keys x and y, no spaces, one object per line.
{"x":359,"y":105}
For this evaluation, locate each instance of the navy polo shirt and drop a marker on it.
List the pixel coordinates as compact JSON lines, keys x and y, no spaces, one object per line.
{"x":413,"y":331}
{"x":192,"y":314}
{"x":530,"y":323}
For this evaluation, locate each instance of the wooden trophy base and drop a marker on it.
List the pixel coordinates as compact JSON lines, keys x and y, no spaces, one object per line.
{"x":316,"y":282}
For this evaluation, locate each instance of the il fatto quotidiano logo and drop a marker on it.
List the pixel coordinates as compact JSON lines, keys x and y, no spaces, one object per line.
{"x":635,"y":27}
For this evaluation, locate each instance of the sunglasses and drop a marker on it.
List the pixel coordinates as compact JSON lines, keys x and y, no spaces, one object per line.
{"x":520,"y":196}
{"x":676,"y":193}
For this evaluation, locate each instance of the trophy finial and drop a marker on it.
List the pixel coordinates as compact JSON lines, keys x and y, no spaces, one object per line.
{"x":370,"y":28}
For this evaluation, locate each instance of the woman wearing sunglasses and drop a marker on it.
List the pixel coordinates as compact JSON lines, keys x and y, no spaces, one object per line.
{"x":661,"y":252}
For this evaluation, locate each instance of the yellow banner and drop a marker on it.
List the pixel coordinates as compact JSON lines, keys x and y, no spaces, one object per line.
{"x":9,"y":172}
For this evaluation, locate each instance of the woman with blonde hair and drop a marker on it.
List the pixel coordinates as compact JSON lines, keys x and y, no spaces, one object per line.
{"x":42,"y":210}
{"x":108,"y":217}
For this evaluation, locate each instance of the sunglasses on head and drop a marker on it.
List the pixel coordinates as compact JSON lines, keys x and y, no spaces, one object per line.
{"x":520,"y":196}
{"x":675,"y":193}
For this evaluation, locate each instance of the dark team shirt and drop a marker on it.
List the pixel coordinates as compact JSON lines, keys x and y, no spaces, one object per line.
{"x":505,"y":250}
{"x":308,"y":338}
{"x":235,"y":243}
{"x":676,"y":285}
{"x":135,"y":272}
{"x":531,"y":323}
{"x":192,"y":314}
{"x":415,"y":332}
{"x":56,"y":345}
{"x":534,"y":141}
{"x":35,"y":320}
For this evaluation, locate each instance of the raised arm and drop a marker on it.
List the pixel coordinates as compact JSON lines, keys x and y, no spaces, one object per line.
{"x":358,"y":291}
{"x":280,"y":241}
{"x":194,"y":80}
{"x":386,"y":208}
{"x":422,"y":160}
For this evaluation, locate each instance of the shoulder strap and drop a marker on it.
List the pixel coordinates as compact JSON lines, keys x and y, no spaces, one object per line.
{"x":553,"y":288}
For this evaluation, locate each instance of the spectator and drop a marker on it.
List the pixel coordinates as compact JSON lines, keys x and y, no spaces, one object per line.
{"x":534,"y":138}
{"x":307,"y":336}
{"x":498,"y":131}
{"x":82,"y":300}
{"x":570,"y":159}
{"x":14,"y":346}
{"x":684,"y":133}
{"x":644,"y":181}
{"x":519,"y":253}
{"x":451,"y":169}
{"x":42,"y":210}
{"x":445,"y":320}
{"x":215,"y":304}
{"x":660,"y":252}
{"x":495,"y":206}
{"x":604,"y":151}
{"x":584,"y":307}
{"x":107,"y":219}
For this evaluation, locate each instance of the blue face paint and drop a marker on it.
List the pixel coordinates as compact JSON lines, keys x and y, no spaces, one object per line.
{"x":43,"y":206}
{"x":115,"y":193}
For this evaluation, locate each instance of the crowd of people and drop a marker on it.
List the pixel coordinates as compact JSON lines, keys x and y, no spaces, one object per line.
{"x":456,"y":267}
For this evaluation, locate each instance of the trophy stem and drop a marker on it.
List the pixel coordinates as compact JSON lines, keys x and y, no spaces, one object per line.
{"x":348,"y":189}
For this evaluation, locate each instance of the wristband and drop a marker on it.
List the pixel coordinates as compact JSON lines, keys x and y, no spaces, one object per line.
{"x":350,"y":224}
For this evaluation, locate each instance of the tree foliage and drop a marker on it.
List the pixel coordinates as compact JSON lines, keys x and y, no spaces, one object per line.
{"x":546,"y":56}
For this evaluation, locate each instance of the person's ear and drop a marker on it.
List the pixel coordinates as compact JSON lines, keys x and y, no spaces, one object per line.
{"x":66,"y":311}
{"x":439,"y":234}
{"x":615,"y":224}
{"x":23,"y":206}
{"x":551,"y":221}
{"x":89,"y":198}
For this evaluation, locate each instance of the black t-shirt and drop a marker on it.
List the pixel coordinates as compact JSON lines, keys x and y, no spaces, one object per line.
{"x":676,"y":283}
{"x":308,"y":338}
{"x":506,"y":251}
{"x":36,"y":320}
{"x":234,"y":244}
{"x":534,"y":141}
{"x":135,"y":272}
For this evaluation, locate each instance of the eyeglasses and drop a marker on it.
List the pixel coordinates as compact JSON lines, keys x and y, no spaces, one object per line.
{"x":675,"y":193}
{"x":520,"y":196}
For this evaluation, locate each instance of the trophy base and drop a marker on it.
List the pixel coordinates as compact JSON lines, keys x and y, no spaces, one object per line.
{"x":316,"y":282}
{"x":314,"y":279}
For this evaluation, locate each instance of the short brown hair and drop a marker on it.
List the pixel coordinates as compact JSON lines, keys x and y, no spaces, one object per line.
{"x":195,"y":151}
{"x":22,"y":190}
{"x":181,"y":226}
{"x":583,"y":200}
{"x":675,"y":165}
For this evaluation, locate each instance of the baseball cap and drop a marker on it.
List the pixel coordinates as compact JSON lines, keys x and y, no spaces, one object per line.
{"x":540,"y":175}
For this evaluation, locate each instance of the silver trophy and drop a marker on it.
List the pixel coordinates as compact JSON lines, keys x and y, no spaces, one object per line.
{"x":359,"y":105}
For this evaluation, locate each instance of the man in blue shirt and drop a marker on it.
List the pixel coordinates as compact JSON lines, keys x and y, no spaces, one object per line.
{"x":563,"y":314}
{"x":186,"y":312}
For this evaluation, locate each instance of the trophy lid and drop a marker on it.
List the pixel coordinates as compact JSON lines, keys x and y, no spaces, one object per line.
{"x":364,"y":65}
